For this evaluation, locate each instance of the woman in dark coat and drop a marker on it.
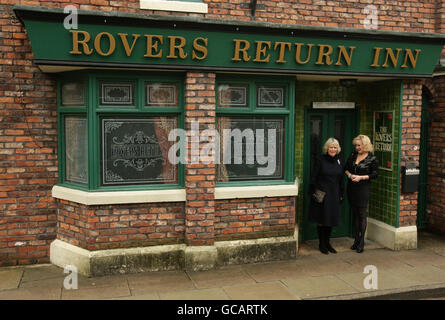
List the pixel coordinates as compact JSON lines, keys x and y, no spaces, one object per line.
{"x":328,"y":177}
{"x":361,"y":168}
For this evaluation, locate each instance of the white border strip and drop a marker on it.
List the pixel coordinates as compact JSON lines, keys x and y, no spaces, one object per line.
{"x":118,"y":197}
{"x":180,"y":6}
{"x":256,"y":191}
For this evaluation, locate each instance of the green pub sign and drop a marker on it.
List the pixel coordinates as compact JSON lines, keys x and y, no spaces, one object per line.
{"x":383,"y":138}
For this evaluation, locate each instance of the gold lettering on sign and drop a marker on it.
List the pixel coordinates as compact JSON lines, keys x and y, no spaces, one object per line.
{"x":283,"y":46}
{"x":261,"y":47}
{"x":128,"y":49}
{"x":111,"y":41}
{"x":375,"y":62}
{"x":83,"y":42}
{"x":177,"y":47}
{"x":152,"y":46}
{"x":298,"y":53}
{"x":200,"y":48}
{"x":342,"y":53}
{"x":394,"y":58}
{"x":412,"y":60}
{"x":238,"y":50}
{"x":324,"y":55}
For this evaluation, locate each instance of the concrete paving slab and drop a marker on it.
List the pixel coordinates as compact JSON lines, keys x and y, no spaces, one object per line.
{"x":422,"y":275}
{"x":220,"y":277}
{"x":275,"y":271}
{"x":96,"y":293}
{"x":386,"y":280}
{"x":43,"y":272}
{"x":31,"y":294}
{"x":10,"y":278}
{"x":105,"y":281}
{"x":198,"y":294}
{"x":274,"y":290}
{"x":316,"y":287}
{"x":150,"y":296}
{"x":420,"y":257}
{"x":155,"y":282}
{"x":54,"y":283}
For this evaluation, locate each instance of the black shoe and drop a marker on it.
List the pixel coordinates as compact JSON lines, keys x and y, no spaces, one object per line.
{"x":330,"y":249}
{"x":360,"y":249}
{"x":354,"y":246}
{"x":323,"y":250}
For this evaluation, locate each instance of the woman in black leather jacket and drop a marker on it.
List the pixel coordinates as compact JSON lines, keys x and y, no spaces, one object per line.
{"x":361,"y":167}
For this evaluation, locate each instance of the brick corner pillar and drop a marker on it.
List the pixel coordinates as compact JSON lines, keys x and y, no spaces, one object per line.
{"x":200,"y":169}
{"x":410,"y":145}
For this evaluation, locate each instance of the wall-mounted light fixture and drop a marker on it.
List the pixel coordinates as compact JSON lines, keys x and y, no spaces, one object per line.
{"x":348,"y":83}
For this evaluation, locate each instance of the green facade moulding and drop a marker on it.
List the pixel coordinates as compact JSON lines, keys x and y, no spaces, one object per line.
{"x":105,"y":39}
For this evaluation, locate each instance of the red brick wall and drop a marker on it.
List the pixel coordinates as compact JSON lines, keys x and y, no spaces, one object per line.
{"x":199,"y":177}
{"x":120,"y":226}
{"x":436,"y":164}
{"x":254,"y":218}
{"x":410,"y":145}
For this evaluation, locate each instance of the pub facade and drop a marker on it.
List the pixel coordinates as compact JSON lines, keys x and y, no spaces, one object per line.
{"x":160,"y":135}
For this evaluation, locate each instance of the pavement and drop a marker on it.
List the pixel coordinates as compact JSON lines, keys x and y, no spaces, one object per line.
{"x":406,"y":274}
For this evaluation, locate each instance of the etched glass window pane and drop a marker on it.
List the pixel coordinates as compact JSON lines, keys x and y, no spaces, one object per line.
{"x":232,"y":95}
{"x":73,"y":94}
{"x":161,"y":94}
{"x":135,"y":151}
{"x":76,"y":150}
{"x":270,"y":97}
{"x":250,"y":149}
{"x":116,"y":93}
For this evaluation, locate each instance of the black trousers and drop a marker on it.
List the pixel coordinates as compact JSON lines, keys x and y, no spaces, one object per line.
{"x":360,"y":224}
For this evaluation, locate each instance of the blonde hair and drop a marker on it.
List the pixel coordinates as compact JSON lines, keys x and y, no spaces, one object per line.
{"x":366,"y":142}
{"x":330,"y":142}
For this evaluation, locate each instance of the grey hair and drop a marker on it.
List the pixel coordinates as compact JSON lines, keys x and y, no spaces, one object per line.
{"x":330,"y":142}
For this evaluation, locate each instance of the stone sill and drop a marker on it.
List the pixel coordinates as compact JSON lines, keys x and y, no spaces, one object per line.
{"x":179,"y":6}
{"x":172,"y":195}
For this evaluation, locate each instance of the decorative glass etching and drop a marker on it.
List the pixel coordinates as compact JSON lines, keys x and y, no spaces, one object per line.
{"x":135,"y":151}
{"x":73,"y":94}
{"x":76,"y":150}
{"x":161,"y":94}
{"x":232,"y":95}
{"x":112,"y":93}
{"x":271,"y":97}
{"x":250,"y":149}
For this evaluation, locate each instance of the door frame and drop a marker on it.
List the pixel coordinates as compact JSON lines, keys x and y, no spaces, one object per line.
{"x":308,"y":111}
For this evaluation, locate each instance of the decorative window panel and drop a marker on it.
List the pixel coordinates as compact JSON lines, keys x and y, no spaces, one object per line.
{"x":135,"y":151}
{"x":76,"y":150}
{"x":235,"y":96}
{"x":161,"y":94}
{"x":251,"y":149}
{"x":270,"y":97}
{"x":116,"y":93}
{"x":73,"y":94}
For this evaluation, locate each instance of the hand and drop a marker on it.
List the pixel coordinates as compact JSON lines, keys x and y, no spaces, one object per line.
{"x":356,"y":178}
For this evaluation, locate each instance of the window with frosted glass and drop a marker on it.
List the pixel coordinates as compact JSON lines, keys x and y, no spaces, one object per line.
{"x":135,"y":150}
{"x":76,"y":150}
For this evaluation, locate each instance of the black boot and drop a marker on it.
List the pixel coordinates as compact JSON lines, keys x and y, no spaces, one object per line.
{"x":322,"y":240}
{"x":328,"y":231}
{"x":356,"y":240}
{"x":361,"y":243}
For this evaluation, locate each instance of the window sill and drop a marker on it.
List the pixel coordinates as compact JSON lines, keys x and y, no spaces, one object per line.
{"x":180,"y":6}
{"x":118,"y":197}
{"x":257,"y":191}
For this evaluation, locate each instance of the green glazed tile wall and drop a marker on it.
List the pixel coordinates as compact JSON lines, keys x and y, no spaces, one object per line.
{"x":385,"y":96}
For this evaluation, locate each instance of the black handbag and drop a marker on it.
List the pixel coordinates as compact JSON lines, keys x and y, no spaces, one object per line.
{"x":318,"y":196}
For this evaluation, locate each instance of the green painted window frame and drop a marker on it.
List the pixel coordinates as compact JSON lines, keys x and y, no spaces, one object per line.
{"x":93,"y":112}
{"x":287,"y":112}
